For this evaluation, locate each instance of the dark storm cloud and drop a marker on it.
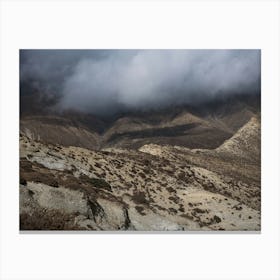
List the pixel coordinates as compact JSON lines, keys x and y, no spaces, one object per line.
{"x":103,"y":81}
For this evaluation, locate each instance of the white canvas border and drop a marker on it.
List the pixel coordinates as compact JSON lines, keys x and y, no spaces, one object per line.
{"x":156,"y":24}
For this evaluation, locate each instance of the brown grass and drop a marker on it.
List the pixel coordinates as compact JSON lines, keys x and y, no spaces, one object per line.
{"x":48,"y":220}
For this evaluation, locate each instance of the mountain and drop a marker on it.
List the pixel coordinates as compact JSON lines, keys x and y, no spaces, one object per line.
{"x":181,"y":168}
{"x":246,"y":142}
{"x":204,"y":126}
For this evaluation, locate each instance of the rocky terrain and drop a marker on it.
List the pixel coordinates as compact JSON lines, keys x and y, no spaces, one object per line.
{"x":180,"y":171}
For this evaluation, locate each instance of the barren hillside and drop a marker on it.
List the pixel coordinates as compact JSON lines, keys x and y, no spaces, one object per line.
{"x":155,"y":187}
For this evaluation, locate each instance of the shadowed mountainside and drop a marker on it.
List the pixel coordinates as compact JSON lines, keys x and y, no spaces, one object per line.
{"x":204,"y":126}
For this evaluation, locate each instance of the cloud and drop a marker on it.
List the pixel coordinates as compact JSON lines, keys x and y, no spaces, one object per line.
{"x":105,"y":81}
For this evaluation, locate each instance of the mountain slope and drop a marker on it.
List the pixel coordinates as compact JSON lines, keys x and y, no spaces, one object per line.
{"x":182,"y":168}
{"x":182,"y":126}
{"x":155,"y":188}
{"x":246,"y":142}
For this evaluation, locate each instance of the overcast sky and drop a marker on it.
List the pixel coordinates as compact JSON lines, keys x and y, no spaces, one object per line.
{"x":103,"y":81}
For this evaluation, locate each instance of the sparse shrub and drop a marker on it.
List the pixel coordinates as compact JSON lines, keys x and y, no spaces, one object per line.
{"x":209,"y":187}
{"x":147,"y":170}
{"x":165,"y":161}
{"x":73,"y":167}
{"x":217,"y":219}
{"x":54,"y":184}
{"x":139,"y":198}
{"x":23,"y":181}
{"x":169,"y":172}
{"x":48,"y":220}
{"x":159,"y":207}
{"x":181,"y":176}
{"x":237,"y":207}
{"x":200,"y":211}
{"x":97,"y":164}
{"x":140,"y":210}
{"x":146,"y":162}
{"x":142,"y":175}
{"x":30,"y":192}
{"x":181,"y":209}
{"x":172,"y":210}
{"x":133,"y":170}
{"x":97,"y":183}
{"x":175,"y":199}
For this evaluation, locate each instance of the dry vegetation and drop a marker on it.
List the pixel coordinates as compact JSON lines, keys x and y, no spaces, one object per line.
{"x":154,"y":188}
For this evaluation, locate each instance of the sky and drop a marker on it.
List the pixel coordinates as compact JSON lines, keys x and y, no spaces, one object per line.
{"x":105,"y":81}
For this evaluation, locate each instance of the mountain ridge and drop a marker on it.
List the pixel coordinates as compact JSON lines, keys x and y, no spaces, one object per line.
{"x":185,"y":126}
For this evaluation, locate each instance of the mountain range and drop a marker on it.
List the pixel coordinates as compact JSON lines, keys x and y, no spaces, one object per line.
{"x":188,"y":167}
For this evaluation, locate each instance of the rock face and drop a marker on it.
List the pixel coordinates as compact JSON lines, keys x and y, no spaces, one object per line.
{"x":153,"y":188}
